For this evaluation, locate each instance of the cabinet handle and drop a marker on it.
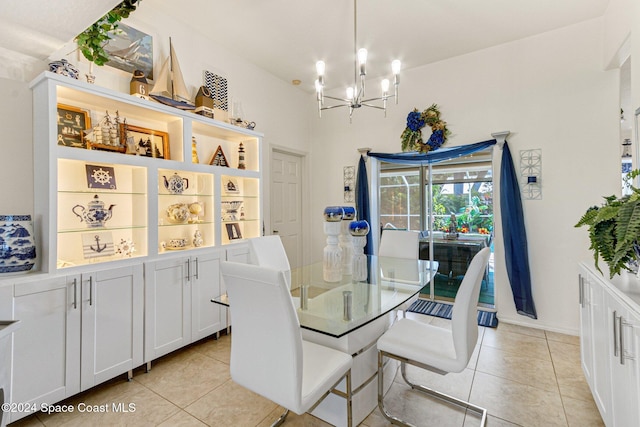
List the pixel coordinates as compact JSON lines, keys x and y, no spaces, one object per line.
{"x":188,"y":270}
{"x":615,"y":334}
{"x":581,"y":290}
{"x":75,"y":293}
{"x":621,"y":339}
{"x":90,"y":290}
{"x":197,"y":269}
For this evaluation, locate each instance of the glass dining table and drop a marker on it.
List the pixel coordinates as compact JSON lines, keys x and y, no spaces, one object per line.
{"x":350,"y":315}
{"x":338,"y":308}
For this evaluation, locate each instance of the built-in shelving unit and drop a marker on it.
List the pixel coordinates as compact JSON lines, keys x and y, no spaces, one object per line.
{"x":95,"y":206}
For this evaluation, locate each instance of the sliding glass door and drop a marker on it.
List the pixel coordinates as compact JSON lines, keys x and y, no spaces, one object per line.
{"x":461,"y":211}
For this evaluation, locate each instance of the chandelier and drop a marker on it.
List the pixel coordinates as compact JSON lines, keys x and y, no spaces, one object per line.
{"x":356,"y":94}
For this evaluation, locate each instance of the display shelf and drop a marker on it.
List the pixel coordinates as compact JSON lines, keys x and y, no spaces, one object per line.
{"x":229,"y":138}
{"x":146,"y":121}
{"x":130,"y":191}
{"x":240,"y":208}
{"x":185,"y":207}
{"x":101,"y":212}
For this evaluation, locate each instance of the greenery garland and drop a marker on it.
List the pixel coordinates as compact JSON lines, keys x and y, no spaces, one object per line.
{"x":416,"y":120}
{"x":91,"y":41}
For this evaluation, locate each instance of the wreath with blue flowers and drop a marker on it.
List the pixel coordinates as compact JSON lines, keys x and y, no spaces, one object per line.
{"x":412,"y":135}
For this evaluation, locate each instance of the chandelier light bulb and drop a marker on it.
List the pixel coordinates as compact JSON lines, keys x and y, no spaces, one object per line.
{"x":395,"y":66}
{"x":362,"y":56}
{"x":385,"y":86}
{"x":320,"y":68}
{"x":362,"y":61}
{"x":349,"y":93}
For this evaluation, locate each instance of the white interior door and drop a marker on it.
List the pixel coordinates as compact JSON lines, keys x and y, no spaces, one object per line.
{"x":286,"y":203}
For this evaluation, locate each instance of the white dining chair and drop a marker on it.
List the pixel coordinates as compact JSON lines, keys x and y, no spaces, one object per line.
{"x":268,"y":251}
{"x":268,"y":354}
{"x":401,"y":244}
{"x":437,"y":349}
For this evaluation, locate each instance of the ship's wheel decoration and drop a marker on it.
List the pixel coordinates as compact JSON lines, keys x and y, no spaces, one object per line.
{"x":101,"y":177}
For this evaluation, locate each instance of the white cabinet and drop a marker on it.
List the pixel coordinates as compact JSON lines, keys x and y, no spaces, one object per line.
{"x":178,"y":307}
{"x":625,"y":376}
{"x":167,"y":306}
{"x":595,"y":362}
{"x":112,"y":323}
{"x":610,"y":344}
{"x":77,"y":331}
{"x":46,"y":349}
{"x":206,"y":317}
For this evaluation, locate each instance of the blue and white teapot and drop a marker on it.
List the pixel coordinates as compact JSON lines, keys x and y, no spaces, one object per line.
{"x":175,"y":183}
{"x":95,"y":214}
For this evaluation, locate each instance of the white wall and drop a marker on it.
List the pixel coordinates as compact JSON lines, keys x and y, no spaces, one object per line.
{"x":273,"y":104}
{"x":551,"y":92}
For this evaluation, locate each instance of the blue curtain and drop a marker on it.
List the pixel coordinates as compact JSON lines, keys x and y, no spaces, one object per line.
{"x":362,"y":201}
{"x":514,"y":233}
{"x":515,"y":237}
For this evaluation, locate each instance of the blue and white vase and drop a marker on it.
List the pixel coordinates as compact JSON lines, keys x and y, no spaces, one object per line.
{"x":332,"y":253}
{"x":349,"y":214}
{"x":17,"y":245}
{"x":359,"y":231}
{"x":64,"y":68}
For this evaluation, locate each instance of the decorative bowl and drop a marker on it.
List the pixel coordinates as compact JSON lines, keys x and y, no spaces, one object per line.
{"x":349,"y":213}
{"x":178,"y":213}
{"x":230,"y":209}
{"x":359,"y":228}
{"x":333,"y":213}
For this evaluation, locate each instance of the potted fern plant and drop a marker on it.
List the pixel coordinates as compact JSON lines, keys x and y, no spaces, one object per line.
{"x":614,"y":229}
{"x":92,"y":41}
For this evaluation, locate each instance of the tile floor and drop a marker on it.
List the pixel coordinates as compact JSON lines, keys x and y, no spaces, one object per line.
{"x":523,"y":376}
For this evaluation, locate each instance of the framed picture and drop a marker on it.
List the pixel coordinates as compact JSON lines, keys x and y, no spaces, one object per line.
{"x":218,"y":158}
{"x":146,"y":142}
{"x":233,"y":231}
{"x":101,"y":177}
{"x":231,"y":186}
{"x":72,"y":122}
{"x":97,"y":244}
{"x":130,"y":50}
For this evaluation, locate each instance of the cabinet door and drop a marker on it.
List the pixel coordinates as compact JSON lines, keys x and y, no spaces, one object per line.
{"x":167,"y":306}
{"x":112,"y":323}
{"x":601,"y":324}
{"x":206,"y":317}
{"x":586,"y":332}
{"x":46,"y":348}
{"x":624,"y":365}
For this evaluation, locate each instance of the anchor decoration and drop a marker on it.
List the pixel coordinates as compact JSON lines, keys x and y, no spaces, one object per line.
{"x":98,"y":248}
{"x":97,"y":244}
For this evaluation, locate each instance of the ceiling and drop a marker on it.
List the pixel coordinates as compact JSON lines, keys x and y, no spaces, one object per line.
{"x":287,"y":37}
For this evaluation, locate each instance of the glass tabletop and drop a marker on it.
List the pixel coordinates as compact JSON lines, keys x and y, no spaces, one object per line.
{"x":337,"y":308}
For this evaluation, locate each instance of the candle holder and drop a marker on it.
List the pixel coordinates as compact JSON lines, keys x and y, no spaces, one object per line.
{"x":359,"y":231}
{"x":332,"y":254}
{"x":346,"y":243}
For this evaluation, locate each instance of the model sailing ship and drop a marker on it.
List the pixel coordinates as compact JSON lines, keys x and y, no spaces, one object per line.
{"x":170,"y":88}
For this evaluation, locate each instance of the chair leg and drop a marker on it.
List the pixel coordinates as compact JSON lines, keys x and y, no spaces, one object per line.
{"x":349,"y":397}
{"x":280,"y":420}
{"x":426,"y":390}
{"x":385,"y":413}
